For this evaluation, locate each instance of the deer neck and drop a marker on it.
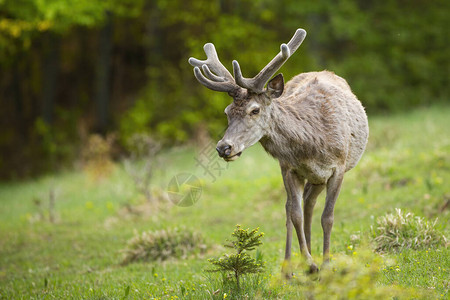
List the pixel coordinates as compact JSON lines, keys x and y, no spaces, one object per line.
{"x":290,"y":134}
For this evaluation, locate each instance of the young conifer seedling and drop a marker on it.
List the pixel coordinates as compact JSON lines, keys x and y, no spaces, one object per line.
{"x":240,"y":263}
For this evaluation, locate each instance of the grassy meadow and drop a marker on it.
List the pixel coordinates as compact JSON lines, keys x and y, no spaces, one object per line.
{"x":62,"y":235}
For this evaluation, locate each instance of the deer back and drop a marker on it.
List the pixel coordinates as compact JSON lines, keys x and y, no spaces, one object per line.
{"x":317,"y":118}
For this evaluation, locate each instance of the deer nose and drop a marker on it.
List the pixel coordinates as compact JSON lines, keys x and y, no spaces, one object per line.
{"x":224,"y":150}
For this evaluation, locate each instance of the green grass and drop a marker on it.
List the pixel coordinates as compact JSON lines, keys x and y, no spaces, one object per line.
{"x":407,"y":166}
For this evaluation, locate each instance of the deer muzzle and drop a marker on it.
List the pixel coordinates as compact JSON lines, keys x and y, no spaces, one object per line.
{"x":225,"y":151}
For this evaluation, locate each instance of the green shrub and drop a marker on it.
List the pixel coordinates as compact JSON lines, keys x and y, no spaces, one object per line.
{"x":142,"y":162}
{"x":97,"y":156}
{"x":401,"y":230}
{"x":162,"y":245}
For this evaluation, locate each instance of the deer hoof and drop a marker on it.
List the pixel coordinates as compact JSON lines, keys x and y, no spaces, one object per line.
{"x":288,"y":275}
{"x":313,"y":269}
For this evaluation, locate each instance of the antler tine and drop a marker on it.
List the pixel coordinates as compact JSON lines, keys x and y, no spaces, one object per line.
{"x":222,"y":80}
{"x":212,"y":62}
{"x":220,"y":86}
{"x":257,"y":83}
{"x":211,"y":75}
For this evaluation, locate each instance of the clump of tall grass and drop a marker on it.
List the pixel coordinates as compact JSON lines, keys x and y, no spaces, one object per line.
{"x":163,"y":244}
{"x":402,"y":230}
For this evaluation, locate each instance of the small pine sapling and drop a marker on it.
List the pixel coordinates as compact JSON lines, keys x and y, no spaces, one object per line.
{"x":240,"y":263}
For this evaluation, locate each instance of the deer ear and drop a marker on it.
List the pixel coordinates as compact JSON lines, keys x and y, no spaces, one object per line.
{"x":275,"y":86}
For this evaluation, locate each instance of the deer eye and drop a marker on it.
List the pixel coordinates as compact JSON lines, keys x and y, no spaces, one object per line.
{"x":254,"y":112}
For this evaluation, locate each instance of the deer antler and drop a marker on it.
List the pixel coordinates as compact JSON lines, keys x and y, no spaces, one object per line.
{"x":257,"y":83}
{"x":218,"y":78}
{"x":223,"y":81}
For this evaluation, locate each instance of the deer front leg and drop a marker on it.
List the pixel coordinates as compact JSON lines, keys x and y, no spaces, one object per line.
{"x":286,"y":269}
{"x":289,"y":226}
{"x":333,"y":188}
{"x":310,"y":195}
{"x":294,"y":216}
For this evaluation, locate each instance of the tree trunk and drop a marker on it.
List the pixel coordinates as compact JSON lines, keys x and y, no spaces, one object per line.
{"x":316,"y":22}
{"x":17,"y":97}
{"x":50,"y":68}
{"x":103,"y":70}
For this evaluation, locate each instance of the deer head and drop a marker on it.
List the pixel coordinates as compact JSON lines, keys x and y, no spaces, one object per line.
{"x":249,"y":114}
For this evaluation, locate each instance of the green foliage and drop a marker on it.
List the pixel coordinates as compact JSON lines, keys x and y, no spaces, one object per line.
{"x":135,"y":121}
{"x":58,"y":15}
{"x":347,"y":277}
{"x":240,"y":263}
{"x":162,"y":245}
{"x":50,"y":143}
{"x":245,"y":240}
{"x":402,"y":230}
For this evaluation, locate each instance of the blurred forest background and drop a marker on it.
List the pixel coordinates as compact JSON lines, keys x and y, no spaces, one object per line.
{"x":73,"y":68}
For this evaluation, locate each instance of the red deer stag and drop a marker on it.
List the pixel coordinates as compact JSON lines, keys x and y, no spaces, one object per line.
{"x":314,"y":125}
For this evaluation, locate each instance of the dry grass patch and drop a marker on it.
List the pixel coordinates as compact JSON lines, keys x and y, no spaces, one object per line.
{"x":402,"y":230}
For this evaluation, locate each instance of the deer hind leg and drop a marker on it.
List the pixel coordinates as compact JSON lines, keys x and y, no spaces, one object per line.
{"x":310,"y":195}
{"x":294,"y":216}
{"x":333,"y":188}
